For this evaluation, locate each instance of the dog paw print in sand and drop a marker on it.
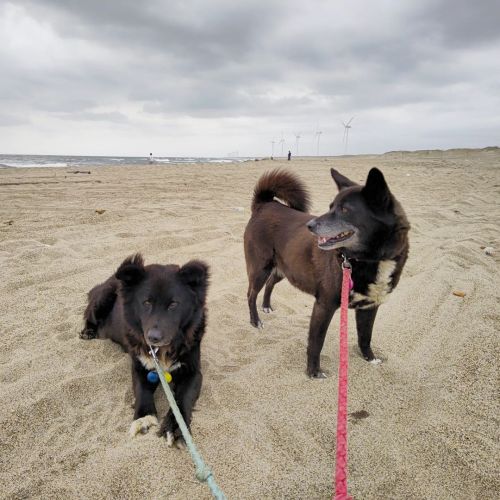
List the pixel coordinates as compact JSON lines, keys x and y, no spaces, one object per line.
{"x":49,"y":241}
{"x":64,"y":330}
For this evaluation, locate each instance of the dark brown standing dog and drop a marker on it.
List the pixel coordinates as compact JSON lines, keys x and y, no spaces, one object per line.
{"x":366,"y":224}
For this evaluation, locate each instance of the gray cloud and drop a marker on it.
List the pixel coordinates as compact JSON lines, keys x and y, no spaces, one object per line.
{"x":463,"y":24}
{"x":8,"y":120}
{"x":194,"y":67}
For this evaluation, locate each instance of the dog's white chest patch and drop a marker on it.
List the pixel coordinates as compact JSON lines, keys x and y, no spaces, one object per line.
{"x":379,"y":290}
{"x":148,"y":363}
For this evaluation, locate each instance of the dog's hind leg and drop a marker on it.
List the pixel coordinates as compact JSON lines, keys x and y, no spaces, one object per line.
{"x":89,"y":331}
{"x":101,"y":301}
{"x":256,"y":280}
{"x":275,"y":278}
{"x":365,"y":318}
{"x":320,"y":321}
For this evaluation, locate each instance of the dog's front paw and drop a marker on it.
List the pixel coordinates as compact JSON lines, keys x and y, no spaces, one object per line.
{"x":317,"y":374}
{"x":88,"y":333}
{"x":267,"y":310}
{"x":369,"y":356}
{"x":175,"y":439}
{"x":142,"y":425}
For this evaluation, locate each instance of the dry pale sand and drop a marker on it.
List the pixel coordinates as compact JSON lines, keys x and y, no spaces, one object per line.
{"x":266,"y":430}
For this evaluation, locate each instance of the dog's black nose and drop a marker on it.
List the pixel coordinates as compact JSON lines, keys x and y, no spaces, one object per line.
{"x":311,"y":225}
{"x":153,"y":336}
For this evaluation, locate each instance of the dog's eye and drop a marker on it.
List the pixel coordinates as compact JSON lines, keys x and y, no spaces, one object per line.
{"x":147,"y":303}
{"x":172,"y":305}
{"x":344,"y":210}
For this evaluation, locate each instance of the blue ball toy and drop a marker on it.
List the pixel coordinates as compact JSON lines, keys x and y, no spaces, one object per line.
{"x":152,"y":377}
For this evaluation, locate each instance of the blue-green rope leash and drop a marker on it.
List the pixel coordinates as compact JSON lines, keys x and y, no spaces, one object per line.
{"x":203,"y":472}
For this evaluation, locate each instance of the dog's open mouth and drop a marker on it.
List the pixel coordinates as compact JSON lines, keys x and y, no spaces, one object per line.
{"x":326,"y":242}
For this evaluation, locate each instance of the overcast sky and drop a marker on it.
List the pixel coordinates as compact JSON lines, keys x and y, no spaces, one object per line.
{"x":206,"y":78}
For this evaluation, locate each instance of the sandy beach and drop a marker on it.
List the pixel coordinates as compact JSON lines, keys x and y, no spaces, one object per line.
{"x":423,"y":424}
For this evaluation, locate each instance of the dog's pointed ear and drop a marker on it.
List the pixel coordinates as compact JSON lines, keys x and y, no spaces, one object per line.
{"x":195,"y":274}
{"x":131,"y":270}
{"x":376,"y":191}
{"x":341,"y":180}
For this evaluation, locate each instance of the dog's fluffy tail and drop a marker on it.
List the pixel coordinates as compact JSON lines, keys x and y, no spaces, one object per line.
{"x":285,"y":186}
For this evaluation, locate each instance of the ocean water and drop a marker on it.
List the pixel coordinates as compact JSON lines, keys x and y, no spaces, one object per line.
{"x":20,"y":161}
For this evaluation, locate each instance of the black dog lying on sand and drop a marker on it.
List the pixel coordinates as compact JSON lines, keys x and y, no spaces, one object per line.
{"x":159,"y":306}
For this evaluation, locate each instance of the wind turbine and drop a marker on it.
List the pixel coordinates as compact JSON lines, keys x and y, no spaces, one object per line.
{"x":273,"y":142}
{"x":345,"y":139}
{"x":297,"y":137}
{"x":318,"y":135}
{"x":282,"y":142}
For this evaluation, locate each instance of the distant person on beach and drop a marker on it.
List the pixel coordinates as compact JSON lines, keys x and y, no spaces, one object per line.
{"x":151,"y":159}
{"x":289,"y":155}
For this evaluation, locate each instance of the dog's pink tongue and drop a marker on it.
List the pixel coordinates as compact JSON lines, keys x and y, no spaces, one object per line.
{"x":322,"y":239}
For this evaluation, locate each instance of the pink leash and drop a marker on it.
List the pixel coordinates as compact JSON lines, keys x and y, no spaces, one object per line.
{"x":341,"y":460}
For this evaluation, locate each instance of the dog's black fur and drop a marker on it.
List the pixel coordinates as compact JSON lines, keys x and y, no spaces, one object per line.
{"x":155,"y":305}
{"x":364,"y":223}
